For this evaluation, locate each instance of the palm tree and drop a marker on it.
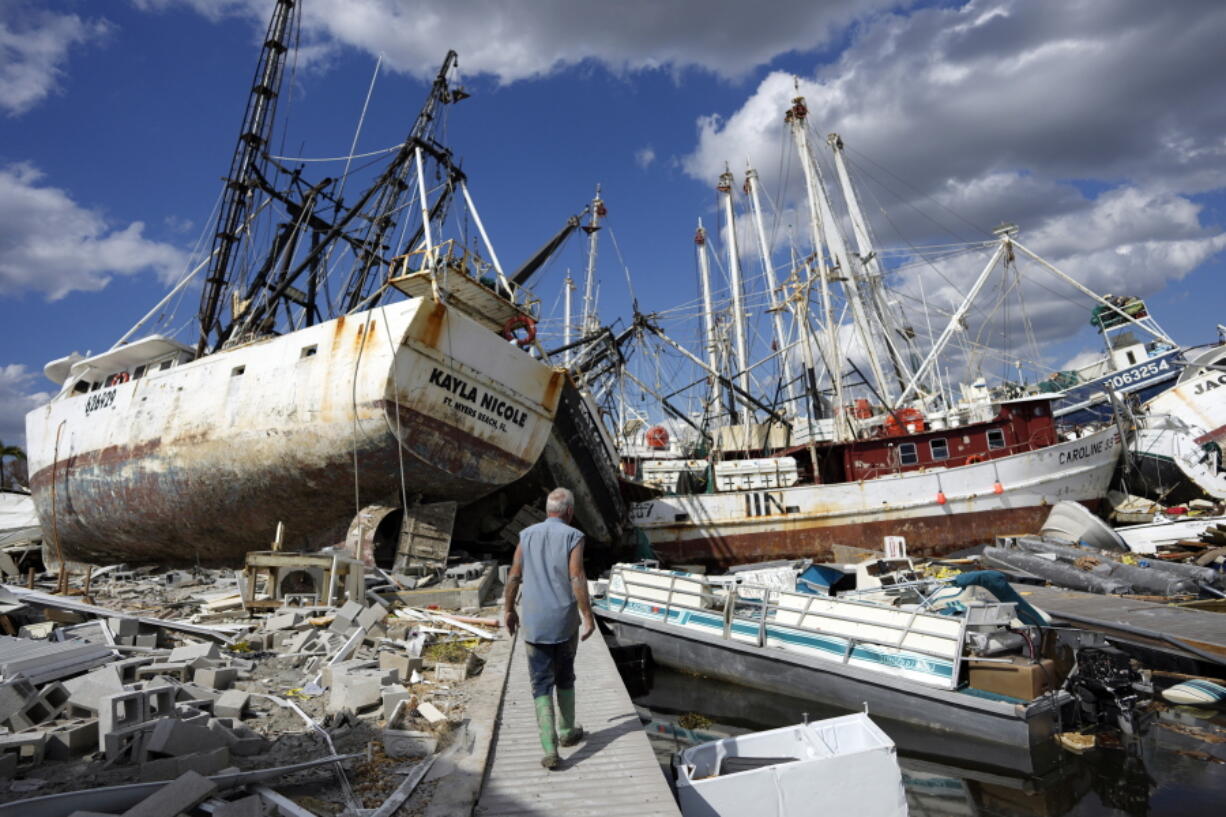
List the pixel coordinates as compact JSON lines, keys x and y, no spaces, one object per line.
{"x":7,"y":451}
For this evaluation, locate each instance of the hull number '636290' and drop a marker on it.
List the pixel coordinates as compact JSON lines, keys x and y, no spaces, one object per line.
{"x":101,"y":400}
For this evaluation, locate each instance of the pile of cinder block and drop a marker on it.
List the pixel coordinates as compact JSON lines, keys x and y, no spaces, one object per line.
{"x":169,"y":713}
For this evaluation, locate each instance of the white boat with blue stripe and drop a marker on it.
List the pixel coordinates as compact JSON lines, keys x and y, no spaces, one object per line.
{"x":906,"y":663}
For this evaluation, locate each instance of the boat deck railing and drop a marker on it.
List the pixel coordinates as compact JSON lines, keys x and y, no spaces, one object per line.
{"x":857,"y":623}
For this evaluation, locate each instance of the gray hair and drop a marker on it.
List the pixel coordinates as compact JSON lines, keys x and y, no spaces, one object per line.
{"x":559,"y":501}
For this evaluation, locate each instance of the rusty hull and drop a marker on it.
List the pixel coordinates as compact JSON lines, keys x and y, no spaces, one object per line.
{"x":215,"y":452}
{"x":927,"y":536}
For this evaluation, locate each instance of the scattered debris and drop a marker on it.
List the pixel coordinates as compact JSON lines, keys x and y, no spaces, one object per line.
{"x":170,"y":689}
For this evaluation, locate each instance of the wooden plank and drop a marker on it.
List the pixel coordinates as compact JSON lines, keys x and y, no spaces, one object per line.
{"x":613,"y":771}
{"x":425,"y":535}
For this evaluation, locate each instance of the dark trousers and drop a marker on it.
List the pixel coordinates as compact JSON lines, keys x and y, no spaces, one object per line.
{"x":552,"y":665}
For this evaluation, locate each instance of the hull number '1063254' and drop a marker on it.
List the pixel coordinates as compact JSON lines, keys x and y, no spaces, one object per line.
{"x":1139,"y":374}
{"x":101,"y":400}
{"x":1083,"y":452}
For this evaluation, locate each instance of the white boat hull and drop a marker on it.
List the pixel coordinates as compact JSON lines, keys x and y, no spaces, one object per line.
{"x":200,"y":461}
{"x":805,"y":521}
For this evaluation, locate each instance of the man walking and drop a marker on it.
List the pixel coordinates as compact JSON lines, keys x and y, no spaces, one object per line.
{"x":549,"y":563}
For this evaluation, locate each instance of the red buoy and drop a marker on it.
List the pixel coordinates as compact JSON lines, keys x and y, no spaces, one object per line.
{"x":941,"y":497}
{"x":657,"y":437}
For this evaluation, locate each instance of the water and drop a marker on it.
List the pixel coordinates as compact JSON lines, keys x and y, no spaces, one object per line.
{"x":1176,"y":766}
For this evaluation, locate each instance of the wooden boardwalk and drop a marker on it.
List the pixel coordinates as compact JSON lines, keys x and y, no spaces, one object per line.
{"x":1162,"y":626}
{"x":613,"y":771}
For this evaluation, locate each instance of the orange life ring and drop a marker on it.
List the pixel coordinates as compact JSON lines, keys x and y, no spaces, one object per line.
{"x":117,"y":378}
{"x":515,"y":322}
{"x":974,"y":459}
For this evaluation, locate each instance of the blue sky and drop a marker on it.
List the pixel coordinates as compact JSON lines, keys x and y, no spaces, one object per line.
{"x":119,"y":119}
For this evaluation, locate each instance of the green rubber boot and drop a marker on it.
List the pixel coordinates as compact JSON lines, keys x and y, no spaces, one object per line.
{"x":570,"y":732}
{"x":549,"y":738}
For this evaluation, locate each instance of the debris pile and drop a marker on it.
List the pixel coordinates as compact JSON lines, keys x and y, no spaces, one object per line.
{"x":1096,"y":571}
{"x":195,"y":691}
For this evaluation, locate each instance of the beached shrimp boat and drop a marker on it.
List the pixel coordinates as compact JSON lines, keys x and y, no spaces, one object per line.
{"x":941,"y":489}
{"x":293,"y":405}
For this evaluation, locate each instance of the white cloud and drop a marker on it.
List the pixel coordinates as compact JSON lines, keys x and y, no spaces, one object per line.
{"x":16,"y":398}
{"x":514,"y":41}
{"x":34,"y":46}
{"x":1039,"y":113}
{"x":51,"y":244}
{"x":643,"y":157}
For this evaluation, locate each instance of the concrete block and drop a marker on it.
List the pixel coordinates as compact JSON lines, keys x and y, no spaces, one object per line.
{"x":173,"y":737}
{"x":403,"y":664}
{"x":15,"y":694}
{"x":127,"y":745}
{"x":392,"y":695}
{"x":350,"y":611}
{"x":28,"y":747}
{"x":72,"y":738}
{"x":241,"y":740}
{"x":179,"y":670}
{"x":301,"y":641}
{"x":231,"y":704}
{"x":145,"y":640}
{"x":184,"y":794}
{"x":124,"y":626}
{"x":120,"y":711}
{"x":216,"y":677}
{"x":340,"y":668}
{"x":354,"y":691}
{"x":195,"y":692}
{"x":242,"y":665}
{"x":371,"y":617}
{"x":252,"y":806}
{"x":190,"y":652}
{"x":126,"y":668}
{"x":208,"y":762}
{"x":284,"y":621}
{"x":160,"y":701}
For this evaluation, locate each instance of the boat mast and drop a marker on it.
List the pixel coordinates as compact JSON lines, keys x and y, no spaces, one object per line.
{"x":734,"y":271}
{"x":708,"y":317}
{"x":568,"y":286}
{"x":246,"y":168}
{"x":591,"y":321}
{"x":849,"y":266}
{"x":871,"y":264}
{"x":768,"y":277}
{"x":795,"y":118}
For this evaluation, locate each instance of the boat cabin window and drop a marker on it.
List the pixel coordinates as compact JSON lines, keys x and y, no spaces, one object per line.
{"x":237,"y":370}
{"x":940,"y":448}
{"x":908,"y":454}
{"x":308,"y":351}
{"x":165,"y":365}
{"x":81,"y":386}
{"x":996,"y":438}
{"x":96,"y":386}
{"x":138,"y":372}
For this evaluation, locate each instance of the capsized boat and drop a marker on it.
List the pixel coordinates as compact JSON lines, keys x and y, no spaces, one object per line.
{"x":842,"y":765}
{"x":963,"y":667}
{"x":315,"y":395}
